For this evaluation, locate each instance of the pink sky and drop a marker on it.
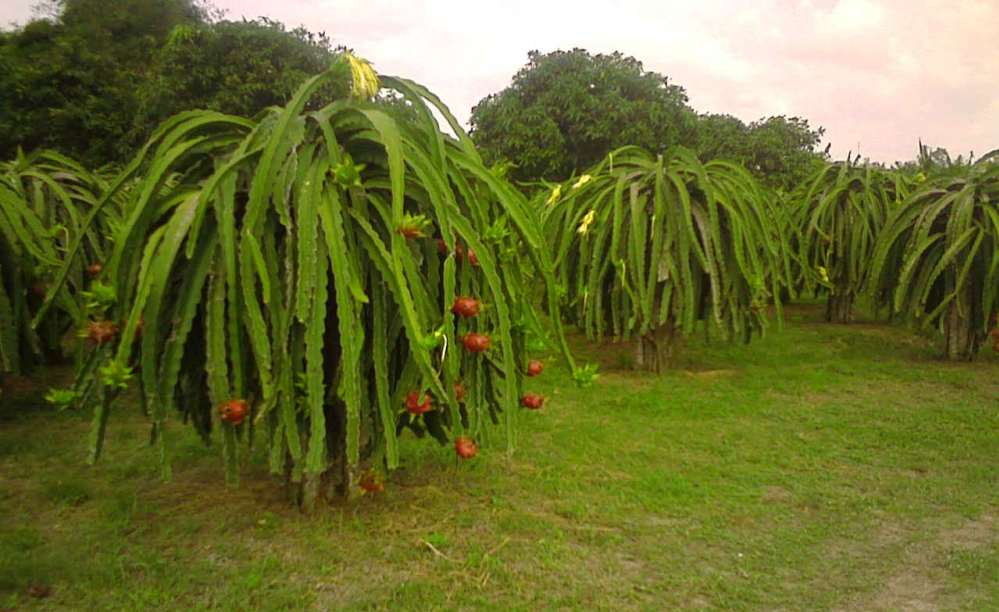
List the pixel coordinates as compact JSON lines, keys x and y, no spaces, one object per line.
{"x":877,"y":74}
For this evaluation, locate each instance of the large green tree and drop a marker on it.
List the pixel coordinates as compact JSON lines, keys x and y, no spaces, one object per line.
{"x":567,"y":109}
{"x":235,"y":67}
{"x":94,"y":78}
{"x":782,"y":152}
{"x":69,"y":80}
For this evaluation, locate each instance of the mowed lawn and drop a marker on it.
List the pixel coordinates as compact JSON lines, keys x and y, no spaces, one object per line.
{"x":822,"y":467}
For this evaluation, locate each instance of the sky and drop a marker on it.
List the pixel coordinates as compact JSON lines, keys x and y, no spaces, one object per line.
{"x":876,"y":74}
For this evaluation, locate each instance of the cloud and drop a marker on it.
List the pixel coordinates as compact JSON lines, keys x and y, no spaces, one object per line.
{"x":877,"y":74}
{"x":16,"y":12}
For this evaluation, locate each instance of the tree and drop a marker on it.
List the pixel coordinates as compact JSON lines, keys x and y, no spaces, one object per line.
{"x":566,"y":110}
{"x":648,"y":245}
{"x":70,"y":81}
{"x":722,"y":137}
{"x":234,"y":67}
{"x":781,"y":152}
{"x":784,"y":150}
{"x":95,"y":78}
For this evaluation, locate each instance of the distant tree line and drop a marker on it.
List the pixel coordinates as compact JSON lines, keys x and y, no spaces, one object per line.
{"x":567,"y":109}
{"x":93,"y":78}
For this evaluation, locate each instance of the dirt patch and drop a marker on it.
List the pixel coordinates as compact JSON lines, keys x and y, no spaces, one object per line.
{"x":666,"y":523}
{"x":909,"y":590}
{"x":610,"y":354}
{"x":776,"y":494}
{"x":980,"y":532}
{"x":710,"y":374}
{"x":919,"y":583}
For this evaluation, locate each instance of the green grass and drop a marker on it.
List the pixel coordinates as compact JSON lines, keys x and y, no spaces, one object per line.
{"x":822,"y":467}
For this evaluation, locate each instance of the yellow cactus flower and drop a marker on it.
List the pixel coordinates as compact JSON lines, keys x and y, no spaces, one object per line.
{"x":364,"y":79}
{"x":556,"y":194}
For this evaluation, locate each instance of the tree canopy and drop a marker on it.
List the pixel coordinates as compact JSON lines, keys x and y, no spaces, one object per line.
{"x":94,"y":77}
{"x":567,"y":109}
{"x":234,"y":67}
{"x":780,"y":151}
{"x":91,"y":79}
{"x":69,"y":80}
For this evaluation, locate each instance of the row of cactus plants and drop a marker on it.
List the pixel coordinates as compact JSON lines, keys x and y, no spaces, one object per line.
{"x":936,"y":264}
{"x":922,"y":246}
{"x":647,"y":247}
{"x":326,"y":278}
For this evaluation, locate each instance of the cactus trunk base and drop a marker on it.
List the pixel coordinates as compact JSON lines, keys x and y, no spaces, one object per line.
{"x":839,"y":308}
{"x":657,"y":350}
{"x":959,"y":333}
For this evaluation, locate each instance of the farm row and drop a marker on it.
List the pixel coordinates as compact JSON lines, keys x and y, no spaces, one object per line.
{"x":325,"y":279}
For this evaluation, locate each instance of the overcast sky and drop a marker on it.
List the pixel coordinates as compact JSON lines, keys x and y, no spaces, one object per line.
{"x":877,"y":74}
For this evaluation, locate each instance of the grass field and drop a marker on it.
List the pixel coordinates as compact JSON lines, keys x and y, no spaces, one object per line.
{"x":823,"y":467}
